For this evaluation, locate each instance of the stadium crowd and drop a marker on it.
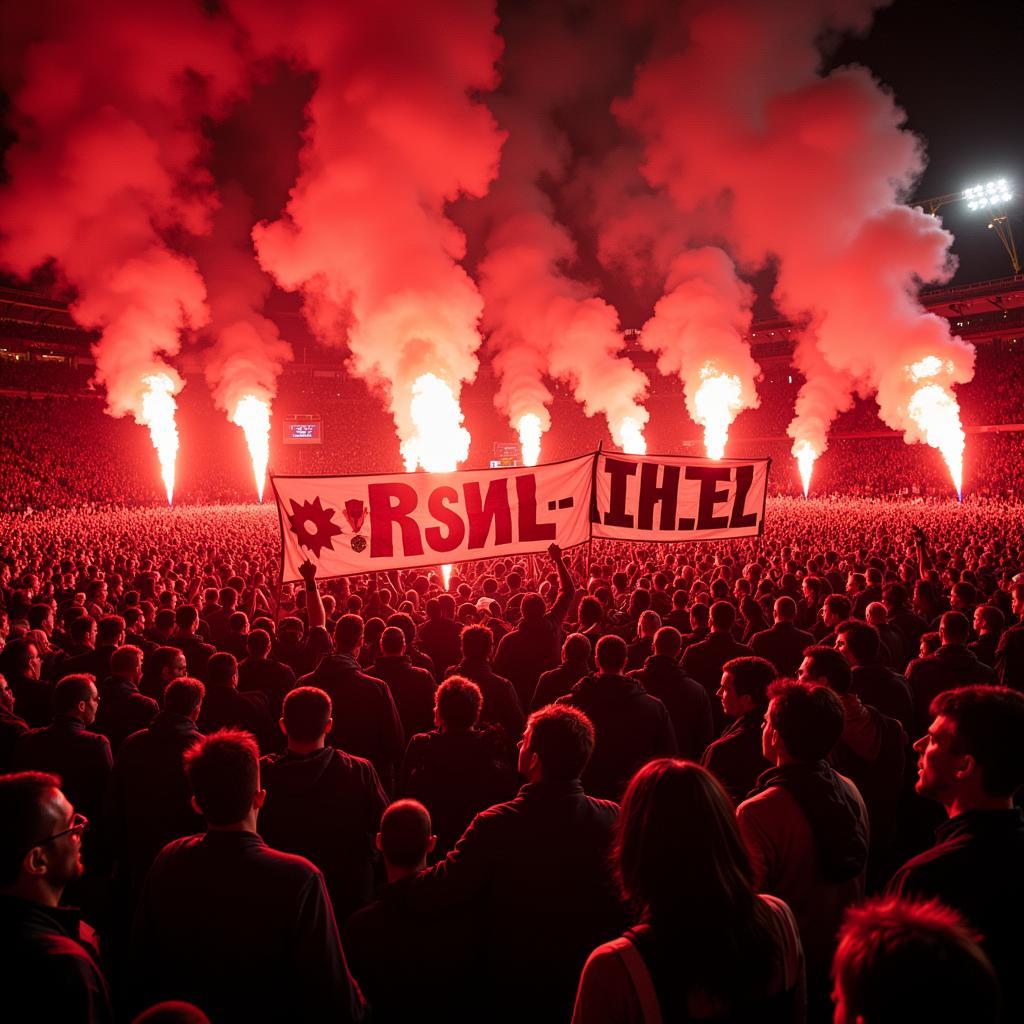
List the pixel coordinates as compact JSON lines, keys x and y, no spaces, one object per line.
{"x":770,"y":779}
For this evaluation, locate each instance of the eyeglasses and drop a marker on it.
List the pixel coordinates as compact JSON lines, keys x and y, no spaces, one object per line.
{"x":79,"y":823}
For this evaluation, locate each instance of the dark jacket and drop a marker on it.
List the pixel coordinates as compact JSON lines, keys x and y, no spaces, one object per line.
{"x":1010,"y":657}
{"x":985,"y":647}
{"x":686,"y":700}
{"x":50,"y":965}
{"x":839,"y":831}
{"x":631,"y":728}
{"x":455,"y":775}
{"x":501,"y":702}
{"x":440,"y":638}
{"x":703,"y":661}
{"x":274,"y":679}
{"x":123,"y":710}
{"x":225,"y":708}
{"x":911,"y":628}
{"x":885,"y":690}
{"x":975,"y":867}
{"x":242,"y":931}
{"x":366,"y":721}
{"x":535,"y":872}
{"x":150,"y":802}
{"x":532,"y":648}
{"x":326,"y":806}
{"x":197,"y":653}
{"x":406,"y":961}
{"x":81,"y":758}
{"x":94,"y":661}
{"x":11,"y":728}
{"x":557,"y":682}
{"x":735,"y":758}
{"x":31,"y":698}
{"x":412,"y":689}
{"x":952,"y":665}
{"x":783,"y":645}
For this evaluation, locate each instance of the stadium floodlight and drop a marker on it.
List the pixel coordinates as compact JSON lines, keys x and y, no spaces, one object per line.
{"x":992,"y":193}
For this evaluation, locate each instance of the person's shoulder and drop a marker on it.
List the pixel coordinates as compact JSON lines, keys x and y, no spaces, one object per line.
{"x":344,"y":762}
{"x":605,"y":808}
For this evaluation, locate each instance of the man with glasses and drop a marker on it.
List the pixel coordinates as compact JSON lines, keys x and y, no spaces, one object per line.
{"x":68,"y":748}
{"x":50,"y":964}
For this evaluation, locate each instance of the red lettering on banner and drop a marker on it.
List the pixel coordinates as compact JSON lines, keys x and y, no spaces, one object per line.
{"x":384,"y":514}
{"x":446,"y":517}
{"x":529,"y":528}
{"x":481,"y":512}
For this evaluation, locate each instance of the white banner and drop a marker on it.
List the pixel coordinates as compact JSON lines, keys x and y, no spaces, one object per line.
{"x":664,"y":498}
{"x":354,"y":524}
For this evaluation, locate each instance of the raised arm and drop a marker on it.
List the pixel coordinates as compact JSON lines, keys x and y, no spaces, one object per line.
{"x":314,"y":602}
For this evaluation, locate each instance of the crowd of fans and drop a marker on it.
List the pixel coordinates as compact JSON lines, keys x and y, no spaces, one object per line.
{"x":771,"y":779}
{"x":60,"y":452}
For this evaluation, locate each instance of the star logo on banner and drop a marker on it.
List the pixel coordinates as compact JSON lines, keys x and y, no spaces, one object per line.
{"x":313,"y":525}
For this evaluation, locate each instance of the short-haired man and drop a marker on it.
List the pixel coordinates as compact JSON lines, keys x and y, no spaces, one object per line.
{"x":989,"y":623}
{"x":736,"y":758}
{"x":870,"y":752}
{"x":321,"y":802}
{"x":535,"y":873}
{"x":405,"y":960}
{"x":951,"y":666}
{"x":259,"y":673}
{"x":501,"y":702}
{"x":684,"y":698}
{"x":225,"y":708}
{"x":51,"y":969}
{"x":972,"y":762}
{"x":150,"y":802}
{"x":878,"y":686}
{"x":227,"y":923}
{"x":369,"y":726}
{"x":899,"y":961}
{"x":11,"y":726}
{"x":834,"y":609}
{"x":123,"y":709}
{"x":411,"y":687}
{"x":577,"y":653}
{"x":782,"y":643}
{"x":806,"y":825}
{"x":1010,"y":651}
{"x":68,"y":748}
{"x":703,"y":660}
{"x":631,"y":726}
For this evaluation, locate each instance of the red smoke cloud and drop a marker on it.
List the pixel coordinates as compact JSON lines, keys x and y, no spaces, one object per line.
{"x":544,"y":321}
{"x":107,"y":167}
{"x":393,"y":134}
{"x":807,"y":171}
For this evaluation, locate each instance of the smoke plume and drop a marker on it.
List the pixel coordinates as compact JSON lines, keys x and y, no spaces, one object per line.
{"x":107,"y":168}
{"x":392,"y":136}
{"x":808,"y":171}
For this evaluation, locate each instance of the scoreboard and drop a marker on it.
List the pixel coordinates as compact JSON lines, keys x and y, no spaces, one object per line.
{"x":303,"y":430}
{"x":505,"y":456}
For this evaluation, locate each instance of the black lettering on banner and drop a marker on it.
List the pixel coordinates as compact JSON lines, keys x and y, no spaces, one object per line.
{"x":710,"y":495}
{"x":619,"y":472}
{"x":744,"y":481}
{"x":651,"y":494}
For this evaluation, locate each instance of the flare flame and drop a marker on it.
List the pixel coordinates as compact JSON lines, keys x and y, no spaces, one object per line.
{"x":446,"y":575}
{"x":631,"y":432}
{"x":252,"y":414}
{"x":529,"y":428}
{"x":717,"y":402}
{"x":441,"y":442}
{"x":806,"y":456}
{"x":937,"y":413}
{"x":158,"y":408}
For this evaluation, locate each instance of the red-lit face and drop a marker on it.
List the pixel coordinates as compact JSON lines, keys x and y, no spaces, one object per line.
{"x":938,"y":766}
{"x":733,"y":703}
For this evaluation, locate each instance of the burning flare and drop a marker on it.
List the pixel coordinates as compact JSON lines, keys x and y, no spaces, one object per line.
{"x":717,"y":402}
{"x":446,"y":575}
{"x":936,"y":411}
{"x":158,"y":408}
{"x":252,"y":414}
{"x":806,"y":456}
{"x":632,"y":434}
{"x":529,"y":428}
{"x":441,"y":442}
